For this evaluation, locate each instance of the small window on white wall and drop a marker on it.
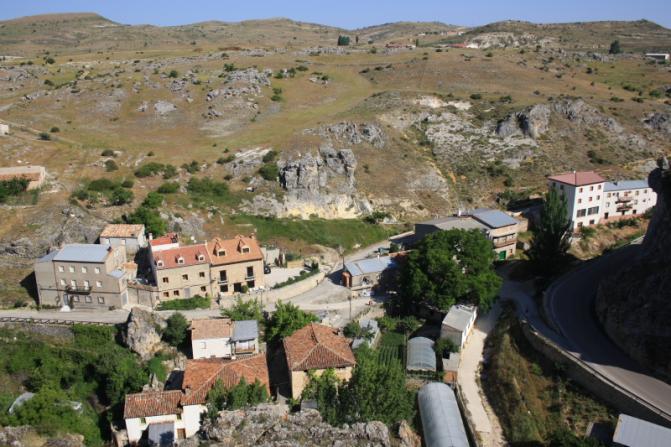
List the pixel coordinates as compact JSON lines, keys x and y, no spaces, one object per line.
{"x":61,"y":269}
{"x":85,"y":270}
{"x":71,"y":269}
{"x":97,"y":270}
{"x":62,"y":282}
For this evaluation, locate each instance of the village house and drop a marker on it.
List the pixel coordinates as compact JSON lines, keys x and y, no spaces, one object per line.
{"x":458,"y":323}
{"x":36,"y":175}
{"x":177,"y":414}
{"x":366,"y":273}
{"x":316,"y":348}
{"x":591,"y":199}
{"x":4,"y":129}
{"x":223,"y":338}
{"x":498,"y":226}
{"x":181,"y":272}
{"x":165,"y":242}
{"x":83,"y":276}
{"x":236,"y":265}
{"x":130,"y":236}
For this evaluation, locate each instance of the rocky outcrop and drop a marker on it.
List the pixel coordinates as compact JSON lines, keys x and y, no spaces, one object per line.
{"x":143,"y":332}
{"x":164,"y":107}
{"x":507,"y":39}
{"x":531,"y":122}
{"x":273,"y":425}
{"x":351,"y":133}
{"x":633,"y":305}
{"x":27,"y":436}
{"x":659,"y":122}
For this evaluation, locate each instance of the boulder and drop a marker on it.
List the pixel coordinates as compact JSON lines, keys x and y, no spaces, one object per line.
{"x":164,"y":107}
{"x":531,"y":122}
{"x":142,"y":334}
{"x":659,"y":122}
{"x":351,"y":133}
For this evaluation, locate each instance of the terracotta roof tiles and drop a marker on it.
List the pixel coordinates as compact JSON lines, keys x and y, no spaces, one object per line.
{"x":154,"y":403}
{"x":578,"y":178}
{"x":211,"y":328}
{"x":181,"y":256}
{"x":317,"y":347}
{"x":122,"y":230}
{"x":238,"y":249}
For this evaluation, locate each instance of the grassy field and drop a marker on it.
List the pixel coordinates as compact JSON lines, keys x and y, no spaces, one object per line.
{"x":531,"y":397}
{"x":392,"y":347}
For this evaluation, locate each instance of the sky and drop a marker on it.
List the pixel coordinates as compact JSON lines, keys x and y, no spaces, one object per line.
{"x":349,"y":14}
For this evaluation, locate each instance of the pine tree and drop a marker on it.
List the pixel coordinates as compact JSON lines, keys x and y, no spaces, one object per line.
{"x":615,"y":47}
{"x":551,"y":236}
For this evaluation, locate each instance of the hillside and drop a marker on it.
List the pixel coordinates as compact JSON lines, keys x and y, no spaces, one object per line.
{"x":287,"y":125}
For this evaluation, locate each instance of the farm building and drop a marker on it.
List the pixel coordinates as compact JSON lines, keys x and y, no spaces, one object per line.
{"x":458,"y":323}
{"x":634,"y":432}
{"x":365,"y":273}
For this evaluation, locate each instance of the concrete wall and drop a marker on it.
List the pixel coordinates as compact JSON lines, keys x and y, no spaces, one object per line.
{"x":609,"y":392}
{"x":132,"y":245}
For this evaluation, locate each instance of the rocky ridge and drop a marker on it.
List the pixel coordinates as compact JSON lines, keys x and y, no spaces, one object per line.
{"x":142,"y":334}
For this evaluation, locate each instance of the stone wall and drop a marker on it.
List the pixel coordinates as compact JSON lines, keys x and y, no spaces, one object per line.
{"x":600,"y":386}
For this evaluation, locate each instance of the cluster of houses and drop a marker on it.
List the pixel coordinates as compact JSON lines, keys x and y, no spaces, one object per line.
{"x":105,"y":275}
{"x":228,"y":351}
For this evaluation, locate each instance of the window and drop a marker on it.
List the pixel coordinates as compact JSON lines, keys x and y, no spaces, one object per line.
{"x":61,"y":269}
{"x":638,"y":192}
{"x":593,"y":210}
{"x":203,"y":288}
{"x":73,"y":283}
{"x":250,"y":272}
{"x":62,"y":282}
{"x":608,"y":195}
{"x":598,"y":187}
{"x":223,"y":289}
{"x":598,"y":197}
{"x":99,"y":283}
{"x":201,"y":257}
{"x":185,"y":277}
{"x":159,"y":263}
{"x":245,"y":249}
{"x":101,"y":300}
{"x":201,"y":274}
{"x":87,"y":284}
{"x":180,"y":260}
{"x":85,"y":270}
{"x":579,"y":200}
{"x":75,"y":298}
{"x":87,"y":298}
{"x":561,"y":187}
{"x":250,"y":284}
{"x":71,"y":269}
{"x":165,"y":280}
{"x":591,"y":222}
{"x":221,"y":252}
{"x":175,"y":292}
{"x":166,"y":294}
{"x":580,"y":190}
{"x":203,"y":345}
{"x":581,"y":213}
{"x":143,"y":421}
{"x":222,"y":275}
{"x":97,"y":270}
{"x":579,"y":224}
{"x":590,"y":198}
{"x":591,"y":188}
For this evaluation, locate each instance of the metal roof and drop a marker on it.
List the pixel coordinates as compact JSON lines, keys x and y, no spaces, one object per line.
{"x":441,"y":420}
{"x":459,"y":316}
{"x":368,"y":266}
{"x":634,"y":432}
{"x":625,"y":184}
{"x":117,"y":273}
{"x":82,"y":253}
{"x":493,"y":218}
{"x":48,"y":257}
{"x":455,"y":222}
{"x":245,"y":330}
{"x":421,"y":356}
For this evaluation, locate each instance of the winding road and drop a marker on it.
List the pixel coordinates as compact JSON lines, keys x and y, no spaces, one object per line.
{"x":570,"y":305}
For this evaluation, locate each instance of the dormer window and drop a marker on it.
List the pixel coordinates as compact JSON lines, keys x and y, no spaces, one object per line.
{"x":221,"y":252}
{"x":201,"y":257}
{"x":180,"y":260}
{"x":159,"y":263}
{"x":245,"y":249}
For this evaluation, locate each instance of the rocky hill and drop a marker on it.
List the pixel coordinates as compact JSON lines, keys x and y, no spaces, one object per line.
{"x":634,"y":304}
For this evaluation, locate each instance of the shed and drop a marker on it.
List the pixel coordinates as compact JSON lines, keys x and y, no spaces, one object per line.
{"x":634,"y":432}
{"x":421,"y":356}
{"x":458,"y":323}
{"x":366,"y":273}
{"x":441,"y":420}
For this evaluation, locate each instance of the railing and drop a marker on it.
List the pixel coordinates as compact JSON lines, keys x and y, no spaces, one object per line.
{"x":624,"y":199}
{"x":78,"y":290}
{"x":249,"y":278}
{"x":503,"y":243}
{"x":223,"y":281}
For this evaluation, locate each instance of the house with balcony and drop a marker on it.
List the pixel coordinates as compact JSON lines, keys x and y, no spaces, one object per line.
{"x":181,"y":272}
{"x":84,"y":276}
{"x":236,"y":265}
{"x":223,"y":338}
{"x":627,"y":198}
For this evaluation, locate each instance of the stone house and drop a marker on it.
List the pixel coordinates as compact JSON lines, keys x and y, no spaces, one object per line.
{"x":458,"y":323}
{"x":235,"y":265}
{"x":181,"y":272}
{"x":83,"y":276}
{"x":223,"y":338}
{"x":36,"y":175}
{"x":177,"y":414}
{"x":366,"y":273}
{"x":129,"y":235}
{"x":316,"y":348}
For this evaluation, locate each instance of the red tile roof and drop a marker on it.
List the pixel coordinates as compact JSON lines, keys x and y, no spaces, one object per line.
{"x":169,"y":238}
{"x":200,"y":375}
{"x":154,"y":403}
{"x":578,"y":178}
{"x":317,"y":347}
{"x":234,"y":250}
{"x":189,"y":254}
{"x":211,"y":328}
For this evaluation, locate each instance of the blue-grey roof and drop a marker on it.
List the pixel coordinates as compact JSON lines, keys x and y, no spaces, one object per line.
{"x":623,"y":185}
{"x":245,"y":330}
{"x":117,"y":273}
{"x":441,"y":420}
{"x":634,"y":432}
{"x":161,"y":434}
{"x":459,"y":316}
{"x":493,"y":218}
{"x":455,"y":222}
{"x":421,"y":356}
{"x":48,"y":257}
{"x":82,"y":253}
{"x":368,"y":266}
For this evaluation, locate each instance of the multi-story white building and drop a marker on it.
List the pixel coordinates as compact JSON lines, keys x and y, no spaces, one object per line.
{"x":592,"y":200}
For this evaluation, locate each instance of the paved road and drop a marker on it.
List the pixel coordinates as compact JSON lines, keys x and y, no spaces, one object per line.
{"x":570,"y":303}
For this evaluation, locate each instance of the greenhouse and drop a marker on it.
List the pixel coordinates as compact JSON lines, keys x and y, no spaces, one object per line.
{"x":441,"y":420}
{"x":421,"y":356}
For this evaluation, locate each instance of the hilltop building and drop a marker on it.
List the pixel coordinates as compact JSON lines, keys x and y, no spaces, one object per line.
{"x":36,"y":175}
{"x":366,"y":273}
{"x":181,"y":272}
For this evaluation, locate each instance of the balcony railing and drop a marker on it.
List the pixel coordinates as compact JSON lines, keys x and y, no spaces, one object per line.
{"x":78,"y":290}
{"x":249,"y":278}
{"x":223,"y":281}
{"x":504,"y":242}
{"x":624,"y":199}
{"x":248,"y":350}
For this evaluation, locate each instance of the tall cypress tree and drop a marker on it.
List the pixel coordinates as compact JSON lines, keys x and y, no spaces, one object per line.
{"x":552,"y":234}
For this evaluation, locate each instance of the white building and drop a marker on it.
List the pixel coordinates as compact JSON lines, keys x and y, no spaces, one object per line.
{"x":129,"y":235}
{"x":4,"y":129}
{"x":627,"y":198}
{"x":592,"y":200}
{"x":223,"y":338}
{"x":458,"y":323}
{"x":659,"y":56}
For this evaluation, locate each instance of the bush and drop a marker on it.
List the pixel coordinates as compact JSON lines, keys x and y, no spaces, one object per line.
{"x":149,"y":169}
{"x":54,"y":129}
{"x":286,"y":320}
{"x":128,"y":183}
{"x":168,"y":188}
{"x":12,"y":187}
{"x":110,"y":165}
{"x":192,"y":167}
{"x":343,"y":41}
{"x":153,"y":200}
{"x":107,"y":153}
{"x":121,"y":196}
{"x":150,"y":218}
{"x":175,"y":332}
{"x":294,"y":279}
{"x":197,"y":302}
{"x":44,"y":136}
{"x":244,"y":310}
{"x":269,"y":171}
{"x":271,"y":155}
{"x":444,"y":346}
{"x":169,"y":172}
{"x":476,"y":96}
{"x":173,"y":74}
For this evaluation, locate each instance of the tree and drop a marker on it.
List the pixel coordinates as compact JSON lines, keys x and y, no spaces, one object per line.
{"x":343,"y":41}
{"x":376,"y":391}
{"x":121,"y":196}
{"x":615,"y":47}
{"x":151,"y":219}
{"x":269,"y":171}
{"x":323,"y":389}
{"x":153,"y":200}
{"x":244,"y":310}
{"x":175,"y":331}
{"x":449,"y":267}
{"x":286,"y":320}
{"x":551,"y":238}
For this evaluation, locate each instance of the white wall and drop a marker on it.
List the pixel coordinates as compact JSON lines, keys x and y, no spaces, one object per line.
{"x":582,"y":199}
{"x":189,"y":420}
{"x":641,"y":200}
{"x":211,"y":347}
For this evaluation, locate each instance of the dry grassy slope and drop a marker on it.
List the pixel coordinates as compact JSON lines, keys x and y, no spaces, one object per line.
{"x":641,"y":35}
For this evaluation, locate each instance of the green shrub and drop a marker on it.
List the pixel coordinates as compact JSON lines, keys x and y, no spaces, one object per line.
{"x":128,"y":183}
{"x":197,"y":302}
{"x":54,"y":129}
{"x":149,"y":169}
{"x":110,"y":165}
{"x":294,"y":279}
{"x":44,"y":136}
{"x":244,"y":310}
{"x":168,"y":188}
{"x":343,"y":41}
{"x":153,"y":200}
{"x":173,"y":74}
{"x":176,"y":329}
{"x":269,"y":171}
{"x":12,"y":187}
{"x":476,"y":96}
{"x":150,"y":218}
{"x":169,"y":172}
{"x":271,"y":155}
{"x":192,"y":167}
{"x":121,"y":196}
{"x":107,"y":153}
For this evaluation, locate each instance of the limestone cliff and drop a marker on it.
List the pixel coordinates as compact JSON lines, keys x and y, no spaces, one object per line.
{"x":634,"y":305}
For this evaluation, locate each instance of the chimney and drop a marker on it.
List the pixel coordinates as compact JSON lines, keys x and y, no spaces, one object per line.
{"x":151,"y":236}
